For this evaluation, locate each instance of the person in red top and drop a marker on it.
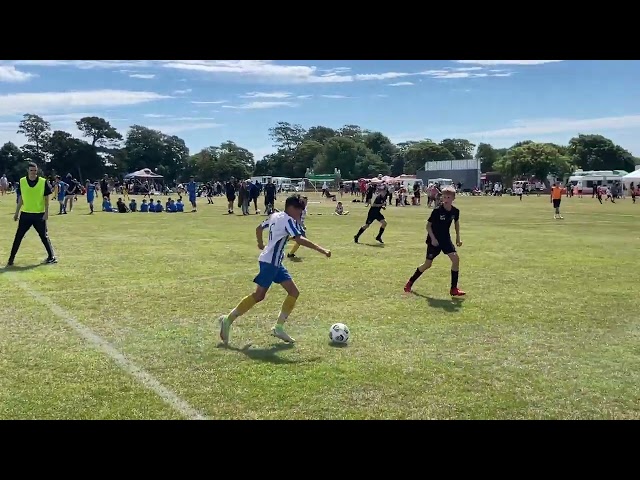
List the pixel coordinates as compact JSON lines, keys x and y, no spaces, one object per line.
{"x":556,"y":198}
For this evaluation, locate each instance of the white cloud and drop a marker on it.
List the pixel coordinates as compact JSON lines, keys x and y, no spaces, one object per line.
{"x":266,"y":95}
{"x":526,"y":128}
{"x":507,"y":62}
{"x":302,"y":97}
{"x":85,"y":64}
{"x":9,"y":73}
{"x":401,"y":84}
{"x":185,"y":127}
{"x":216,"y":102}
{"x":261,"y":105}
{"x":182,"y":92}
{"x":468,"y":69}
{"x":334,"y":96}
{"x":21,"y":103}
{"x":174,"y":117}
{"x":381,"y":95}
{"x":267,"y":71}
{"x":333,"y":71}
{"x":145,"y":76}
{"x":260,"y":152}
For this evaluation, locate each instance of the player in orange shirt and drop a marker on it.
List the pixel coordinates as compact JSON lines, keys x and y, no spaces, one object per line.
{"x":556,"y":198}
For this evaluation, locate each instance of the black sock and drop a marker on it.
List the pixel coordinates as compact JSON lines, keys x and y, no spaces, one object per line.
{"x":380,"y":232}
{"x":415,"y":276}
{"x":454,"y":279}
{"x":60,"y":208}
{"x":360,"y":232}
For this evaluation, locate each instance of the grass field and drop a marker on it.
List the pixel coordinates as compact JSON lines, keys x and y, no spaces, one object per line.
{"x":549,"y":328}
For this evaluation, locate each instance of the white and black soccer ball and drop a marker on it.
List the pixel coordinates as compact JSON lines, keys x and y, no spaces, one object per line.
{"x":339,"y":333}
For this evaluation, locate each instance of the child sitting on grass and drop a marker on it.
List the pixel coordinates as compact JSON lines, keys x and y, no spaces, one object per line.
{"x":122,"y":207}
{"x":106,"y":205}
{"x":340,"y":210}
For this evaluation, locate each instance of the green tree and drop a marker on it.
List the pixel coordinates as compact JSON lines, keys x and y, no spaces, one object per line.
{"x":533,"y":159}
{"x":37,"y":131}
{"x":459,"y":147}
{"x":320,"y":134}
{"x":287,"y":136}
{"x":71,"y":155}
{"x":380,"y":145}
{"x":595,"y":152}
{"x":488,"y":156}
{"x":12,"y":162}
{"x":99,"y":130}
{"x":420,"y":153}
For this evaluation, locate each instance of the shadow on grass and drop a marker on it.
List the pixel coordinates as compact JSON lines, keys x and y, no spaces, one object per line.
{"x":376,"y":245}
{"x":453,"y":304}
{"x":20,"y":268}
{"x":268,"y":355}
{"x":338,"y":345}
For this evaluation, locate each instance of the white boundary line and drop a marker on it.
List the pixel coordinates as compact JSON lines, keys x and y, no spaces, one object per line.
{"x":141,"y":375}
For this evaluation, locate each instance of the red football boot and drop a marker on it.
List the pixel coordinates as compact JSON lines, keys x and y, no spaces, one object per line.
{"x":456,"y":292}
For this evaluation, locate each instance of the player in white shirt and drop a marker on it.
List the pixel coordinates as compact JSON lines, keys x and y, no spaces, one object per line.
{"x":303,"y":216}
{"x":518,"y":192}
{"x":281,"y":226}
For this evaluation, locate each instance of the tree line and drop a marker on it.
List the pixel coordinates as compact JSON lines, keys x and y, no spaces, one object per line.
{"x":355,"y":151}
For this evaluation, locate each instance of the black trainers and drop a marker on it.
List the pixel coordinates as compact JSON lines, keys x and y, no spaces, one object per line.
{"x":51,"y":260}
{"x":10,"y":263}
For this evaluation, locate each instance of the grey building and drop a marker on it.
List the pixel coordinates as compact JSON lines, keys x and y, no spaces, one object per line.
{"x":466,"y":172}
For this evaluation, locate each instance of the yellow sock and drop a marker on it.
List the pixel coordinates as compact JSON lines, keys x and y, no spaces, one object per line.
{"x":243,"y":307}
{"x":287,"y":308}
{"x":295,"y":248}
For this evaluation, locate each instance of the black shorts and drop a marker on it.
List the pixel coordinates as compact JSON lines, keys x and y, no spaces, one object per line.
{"x":556,"y":203}
{"x":374,"y":214}
{"x":231,"y":198}
{"x":445,"y":246}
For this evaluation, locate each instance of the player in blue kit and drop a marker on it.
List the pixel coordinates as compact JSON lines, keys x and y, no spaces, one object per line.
{"x":191,"y":190}
{"x":91,"y":195}
{"x":281,"y":226}
{"x":60,"y":189}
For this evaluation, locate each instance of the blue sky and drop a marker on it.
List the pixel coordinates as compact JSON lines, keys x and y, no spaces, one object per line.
{"x":206,"y":102}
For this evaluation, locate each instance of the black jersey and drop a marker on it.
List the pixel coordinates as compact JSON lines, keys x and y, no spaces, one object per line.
{"x":441,"y":220}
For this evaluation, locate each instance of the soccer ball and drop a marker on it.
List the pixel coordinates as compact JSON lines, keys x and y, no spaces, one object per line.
{"x":339,"y":333}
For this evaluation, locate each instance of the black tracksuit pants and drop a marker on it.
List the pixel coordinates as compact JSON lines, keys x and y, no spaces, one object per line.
{"x":26,"y":221}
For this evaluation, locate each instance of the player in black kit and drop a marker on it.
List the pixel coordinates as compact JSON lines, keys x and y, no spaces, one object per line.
{"x":375,"y":213}
{"x":439,"y":240}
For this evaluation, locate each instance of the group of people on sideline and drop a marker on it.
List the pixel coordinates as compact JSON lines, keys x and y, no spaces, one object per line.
{"x":170,"y":206}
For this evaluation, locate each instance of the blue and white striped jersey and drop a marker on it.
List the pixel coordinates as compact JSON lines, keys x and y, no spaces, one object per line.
{"x":281,"y":227}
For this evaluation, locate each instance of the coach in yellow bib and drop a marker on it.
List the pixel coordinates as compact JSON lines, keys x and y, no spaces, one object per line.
{"x":32,"y":211}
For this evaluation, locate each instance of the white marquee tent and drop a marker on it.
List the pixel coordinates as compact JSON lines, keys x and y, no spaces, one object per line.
{"x":144,"y":173}
{"x":632,"y":177}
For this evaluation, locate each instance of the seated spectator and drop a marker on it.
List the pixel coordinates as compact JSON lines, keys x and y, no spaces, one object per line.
{"x":122,"y":207}
{"x":106,"y":205}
